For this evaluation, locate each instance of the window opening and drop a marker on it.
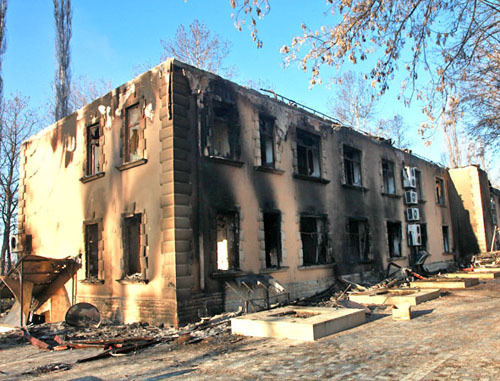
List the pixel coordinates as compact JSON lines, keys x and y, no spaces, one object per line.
{"x":388,"y":176}
{"x":266,"y":129}
{"x":308,"y":154}
{"x":352,"y":166}
{"x":222,"y":133}
{"x":394,"y":236}
{"x":132,"y":134}
{"x":91,"y":251}
{"x":272,"y":234}
{"x":440,"y":199}
{"x":358,"y":235}
{"x":314,"y":240}
{"x":418,"y":182}
{"x":93,"y":165}
{"x":132,"y":244}
{"x":423,"y":236}
{"x":446,"y":239}
{"x":228,"y":241}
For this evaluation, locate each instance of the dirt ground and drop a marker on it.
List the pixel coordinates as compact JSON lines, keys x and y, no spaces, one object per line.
{"x":455,"y":337}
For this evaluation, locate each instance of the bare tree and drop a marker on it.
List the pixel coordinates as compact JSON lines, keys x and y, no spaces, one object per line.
{"x":449,"y":122}
{"x":395,"y":129}
{"x":3,"y":42}
{"x":355,"y":101}
{"x":62,"y":17}
{"x":452,"y":40}
{"x":199,"y":47}
{"x":17,"y":124}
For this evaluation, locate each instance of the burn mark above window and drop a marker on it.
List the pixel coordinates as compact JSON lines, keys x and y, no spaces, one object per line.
{"x":272,"y":237}
{"x":227,"y":249}
{"x":266,"y":130}
{"x":314,"y":239}
{"x":308,"y":154}
{"x":222,"y":133}
{"x":352,"y":166}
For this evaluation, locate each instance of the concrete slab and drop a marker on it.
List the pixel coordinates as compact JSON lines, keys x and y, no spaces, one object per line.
{"x":473,"y":274}
{"x":297,"y":323}
{"x":487,"y":269}
{"x":396,"y":296}
{"x":443,"y":283}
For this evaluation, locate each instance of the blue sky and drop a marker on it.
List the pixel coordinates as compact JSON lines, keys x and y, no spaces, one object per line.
{"x":111,"y":38}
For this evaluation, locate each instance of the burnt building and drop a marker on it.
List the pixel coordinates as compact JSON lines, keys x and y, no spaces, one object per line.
{"x":179,"y":186}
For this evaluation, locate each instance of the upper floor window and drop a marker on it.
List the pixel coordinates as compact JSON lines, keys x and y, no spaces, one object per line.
{"x":388,"y":177}
{"x":266,"y":130}
{"x":418,"y":184}
{"x":133,"y":134}
{"x":352,"y":166}
{"x":308,"y":154}
{"x":93,"y":150}
{"x":222,"y":134}
{"x":440,"y":195}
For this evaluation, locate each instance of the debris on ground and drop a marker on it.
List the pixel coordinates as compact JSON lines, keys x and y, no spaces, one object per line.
{"x":487,"y":259}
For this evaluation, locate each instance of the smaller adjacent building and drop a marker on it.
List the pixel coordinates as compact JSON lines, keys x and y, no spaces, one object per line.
{"x":180,"y":188}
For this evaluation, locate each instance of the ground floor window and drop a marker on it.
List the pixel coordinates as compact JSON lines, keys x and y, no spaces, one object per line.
{"x":227,"y":241}
{"x":394,"y":237}
{"x":272,"y":236}
{"x":358,"y":239}
{"x":314,"y":240}
{"x":132,"y":244}
{"x":91,"y":251}
{"x":446,"y":240}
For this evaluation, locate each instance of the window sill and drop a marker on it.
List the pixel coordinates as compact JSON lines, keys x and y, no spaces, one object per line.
{"x":131,"y":164}
{"x":222,"y":160}
{"x":271,"y":270}
{"x":355,"y":187}
{"x":314,"y":267}
{"x":311,"y":178}
{"x":226,"y":274}
{"x":132,"y":281}
{"x":94,"y":281}
{"x":269,"y":170}
{"x":89,"y":178}
{"x":391,"y":195}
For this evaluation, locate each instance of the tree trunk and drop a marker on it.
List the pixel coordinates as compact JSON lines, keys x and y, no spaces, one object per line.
{"x":5,"y":248}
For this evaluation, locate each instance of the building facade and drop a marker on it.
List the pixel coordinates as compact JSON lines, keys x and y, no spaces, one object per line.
{"x":178,"y":184}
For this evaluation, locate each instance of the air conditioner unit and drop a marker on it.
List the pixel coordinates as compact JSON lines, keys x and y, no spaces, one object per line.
{"x":409,"y":177}
{"x":412,"y":214}
{"x":411,"y":198}
{"x":414,"y":235}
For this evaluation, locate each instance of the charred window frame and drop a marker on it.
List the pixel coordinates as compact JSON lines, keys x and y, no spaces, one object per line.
{"x":446,"y":239}
{"x":222,"y":135}
{"x":272,"y":238}
{"x":94,"y":164}
{"x":423,"y":236}
{"x":352,"y":166}
{"x":358,"y":239}
{"x":419,"y":187}
{"x":266,"y":133}
{"x":314,"y":237}
{"x":308,"y":154}
{"x":394,"y":237}
{"x":133,"y":246}
{"x":227,"y":241}
{"x":134,"y":135}
{"x":91,"y":251}
{"x":388,"y":177}
{"x":440,"y":192}
{"x":493,"y":211}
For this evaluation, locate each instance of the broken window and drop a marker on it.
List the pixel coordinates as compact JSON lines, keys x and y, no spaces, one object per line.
{"x":358,"y":239}
{"x":418,"y":184}
{"x":440,"y":198}
{"x":133,"y":134}
{"x":132,"y":244}
{"x":446,"y":240}
{"x":222,"y":137}
{"x":228,"y":241}
{"x":272,"y":236}
{"x":388,"y":177}
{"x":423,"y":236}
{"x":308,"y":154}
{"x":93,"y":153}
{"x":91,"y":251}
{"x":266,"y":130}
{"x":352,"y":166}
{"x":394,"y":236}
{"x":493,"y":211}
{"x":314,"y":240}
